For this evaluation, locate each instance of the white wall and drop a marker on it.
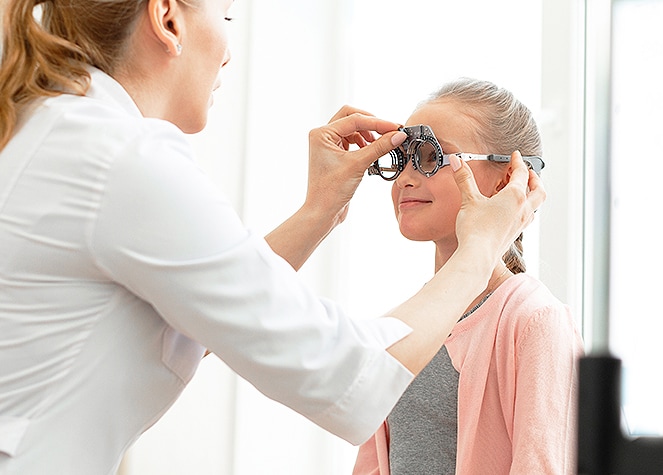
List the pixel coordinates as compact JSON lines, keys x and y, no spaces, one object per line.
{"x":294,"y":64}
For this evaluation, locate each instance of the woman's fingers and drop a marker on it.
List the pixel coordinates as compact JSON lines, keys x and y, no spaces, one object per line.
{"x":352,"y":126}
{"x":347,"y":110}
{"x":526,"y":181}
{"x":464,"y":178}
{"x":537,"y":192}
{"x":334,"y":170}
{"x":502,"y":217}
{"x":356,"y":121}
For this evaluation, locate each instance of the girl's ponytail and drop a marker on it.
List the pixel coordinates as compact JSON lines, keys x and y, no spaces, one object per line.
{"x":513,"y":258}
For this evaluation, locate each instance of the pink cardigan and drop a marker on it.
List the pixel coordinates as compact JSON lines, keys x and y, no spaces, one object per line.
{"x":517,"y":356}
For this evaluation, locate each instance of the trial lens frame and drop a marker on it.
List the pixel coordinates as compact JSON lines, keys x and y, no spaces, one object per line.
{"x":417,"y":135}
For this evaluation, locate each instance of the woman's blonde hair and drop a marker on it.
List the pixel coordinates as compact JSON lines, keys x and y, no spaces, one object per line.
{"x":504,"y":125}
{"x":50,"y":56}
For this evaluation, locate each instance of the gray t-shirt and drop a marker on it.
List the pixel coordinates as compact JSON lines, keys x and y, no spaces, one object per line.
{"x":423,"y":426}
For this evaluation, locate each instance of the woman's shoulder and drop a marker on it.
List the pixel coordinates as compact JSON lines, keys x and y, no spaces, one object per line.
{"x":103,"y":119}
{"x":98,"y":142}
{"x":103,"y":131}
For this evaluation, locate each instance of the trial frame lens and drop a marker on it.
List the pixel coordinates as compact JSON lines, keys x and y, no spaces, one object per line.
{"x":420,"y":146}
{"x":426,"y":155}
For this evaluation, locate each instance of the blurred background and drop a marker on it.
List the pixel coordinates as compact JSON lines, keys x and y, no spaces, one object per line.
{"x":590,"y":72}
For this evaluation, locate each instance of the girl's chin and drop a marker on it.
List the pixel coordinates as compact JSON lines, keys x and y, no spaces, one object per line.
{"x":424,"y":235}
{"x":413,"y":235}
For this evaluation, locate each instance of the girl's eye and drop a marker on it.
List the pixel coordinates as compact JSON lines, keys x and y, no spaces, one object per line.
{"x":228,"y":18}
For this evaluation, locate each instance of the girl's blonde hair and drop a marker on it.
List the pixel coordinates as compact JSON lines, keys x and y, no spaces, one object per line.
{"x":50,"y":56}
{"x":504,"y":125}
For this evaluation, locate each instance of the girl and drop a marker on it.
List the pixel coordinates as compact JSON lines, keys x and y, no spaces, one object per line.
{"x":500,"y":396}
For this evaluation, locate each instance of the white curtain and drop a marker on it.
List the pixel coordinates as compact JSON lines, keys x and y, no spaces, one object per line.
{"x":294,"y":64}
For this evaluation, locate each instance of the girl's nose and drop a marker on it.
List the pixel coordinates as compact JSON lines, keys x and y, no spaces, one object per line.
{"x":409,"y":177}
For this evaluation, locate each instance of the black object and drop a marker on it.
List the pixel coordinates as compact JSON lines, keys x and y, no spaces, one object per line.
{"x":602,"y":447}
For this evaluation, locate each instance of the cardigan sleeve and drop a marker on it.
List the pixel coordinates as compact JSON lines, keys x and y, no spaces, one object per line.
{"x":373,"y":455}
{"x":544,"y":410}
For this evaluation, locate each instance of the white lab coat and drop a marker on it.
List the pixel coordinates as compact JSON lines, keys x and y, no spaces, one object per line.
{"x":119,"y":264}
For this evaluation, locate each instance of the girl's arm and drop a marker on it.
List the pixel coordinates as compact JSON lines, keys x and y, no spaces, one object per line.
{"x":544,"y":411}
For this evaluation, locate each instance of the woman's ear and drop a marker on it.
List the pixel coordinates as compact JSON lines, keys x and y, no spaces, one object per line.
{"x":166,"y":22}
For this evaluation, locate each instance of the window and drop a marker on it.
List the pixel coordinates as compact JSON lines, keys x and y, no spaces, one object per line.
{"x":636,"y":318}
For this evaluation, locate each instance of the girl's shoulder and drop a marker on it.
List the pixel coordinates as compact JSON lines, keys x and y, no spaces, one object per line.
{"x":524,"y":293}
{"x":529,"y":309}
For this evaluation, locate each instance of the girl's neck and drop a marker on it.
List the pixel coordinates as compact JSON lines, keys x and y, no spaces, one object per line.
{"x":500,"y":273}
{"x":442,"y":254}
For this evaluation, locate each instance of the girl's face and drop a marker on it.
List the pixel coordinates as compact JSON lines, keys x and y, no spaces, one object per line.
{"x":204,"y":52}
{"x":426,"y":208}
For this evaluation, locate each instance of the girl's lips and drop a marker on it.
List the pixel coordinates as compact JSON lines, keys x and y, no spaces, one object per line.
{"x":411,"y":203}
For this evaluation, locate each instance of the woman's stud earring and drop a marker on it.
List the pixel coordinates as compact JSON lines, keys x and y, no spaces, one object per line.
{"x":178,"y":48}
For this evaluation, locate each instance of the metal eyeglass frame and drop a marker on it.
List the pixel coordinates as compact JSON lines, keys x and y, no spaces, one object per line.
{"x":417,"y":135}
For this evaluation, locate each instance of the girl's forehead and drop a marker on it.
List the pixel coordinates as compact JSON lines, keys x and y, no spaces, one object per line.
{"x":454,"y":130}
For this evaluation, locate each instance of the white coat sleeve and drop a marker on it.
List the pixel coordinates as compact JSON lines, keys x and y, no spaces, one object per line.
{"x":166,"y":233}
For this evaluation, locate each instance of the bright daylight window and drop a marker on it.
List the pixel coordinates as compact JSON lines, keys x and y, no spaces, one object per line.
{"x":637,"y":256}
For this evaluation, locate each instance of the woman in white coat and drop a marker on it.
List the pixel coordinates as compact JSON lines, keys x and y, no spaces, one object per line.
{"x":121,"y":263}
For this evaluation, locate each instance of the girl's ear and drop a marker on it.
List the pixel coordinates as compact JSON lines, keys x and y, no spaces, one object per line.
{"x":502,"y":179}
{"x":166,"y":22}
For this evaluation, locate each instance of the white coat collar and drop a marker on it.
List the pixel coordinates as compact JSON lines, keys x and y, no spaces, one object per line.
{"x":105,"y":88}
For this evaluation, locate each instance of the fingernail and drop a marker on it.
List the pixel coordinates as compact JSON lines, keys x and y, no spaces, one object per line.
{"x":454,"y":161}
{"x":398,"y":138}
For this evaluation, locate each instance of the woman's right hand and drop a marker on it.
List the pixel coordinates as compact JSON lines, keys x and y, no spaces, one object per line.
{"x":335,"y":170}
{"x":496,"y":221}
